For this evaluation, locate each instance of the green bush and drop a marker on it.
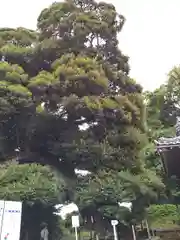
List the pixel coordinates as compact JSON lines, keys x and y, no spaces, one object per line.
{"x":165,"y":215}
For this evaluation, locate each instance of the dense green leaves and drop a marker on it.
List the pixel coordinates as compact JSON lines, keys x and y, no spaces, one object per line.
{"x":30,"y":183}
{"x":163,"y":216}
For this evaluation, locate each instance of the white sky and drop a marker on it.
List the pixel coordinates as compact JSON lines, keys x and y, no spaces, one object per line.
{"x":150,"y":37}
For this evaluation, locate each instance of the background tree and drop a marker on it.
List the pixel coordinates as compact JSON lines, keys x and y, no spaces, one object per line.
{"x":162,"y":110}
{"x":156,"y":125}
{"x":39,"y":189}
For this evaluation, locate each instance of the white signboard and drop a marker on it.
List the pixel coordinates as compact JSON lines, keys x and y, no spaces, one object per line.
{"x":114,"y":222}
{"x":11,"y":221}
{"x":75,"y":221}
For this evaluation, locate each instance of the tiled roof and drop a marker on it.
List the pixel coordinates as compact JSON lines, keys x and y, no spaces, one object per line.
{"x":170,"y":142}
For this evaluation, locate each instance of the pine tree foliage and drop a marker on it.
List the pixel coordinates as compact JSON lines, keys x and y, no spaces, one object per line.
{"x":66,"y":100}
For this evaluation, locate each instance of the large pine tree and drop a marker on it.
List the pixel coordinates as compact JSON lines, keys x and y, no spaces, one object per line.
{"x":66,"y":99}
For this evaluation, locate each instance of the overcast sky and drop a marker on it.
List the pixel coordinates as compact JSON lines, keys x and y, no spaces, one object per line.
{"x":151,"y":35}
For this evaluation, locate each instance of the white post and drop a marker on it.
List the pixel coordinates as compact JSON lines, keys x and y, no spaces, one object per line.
{"x":97,"y":237}
{"x":148,"y":231}
{"x":75,"y":225}
{"x":76,"y":233}
{"x":114,"y":223}
{"x":133,"y":232}
{"x":115,"y":232}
